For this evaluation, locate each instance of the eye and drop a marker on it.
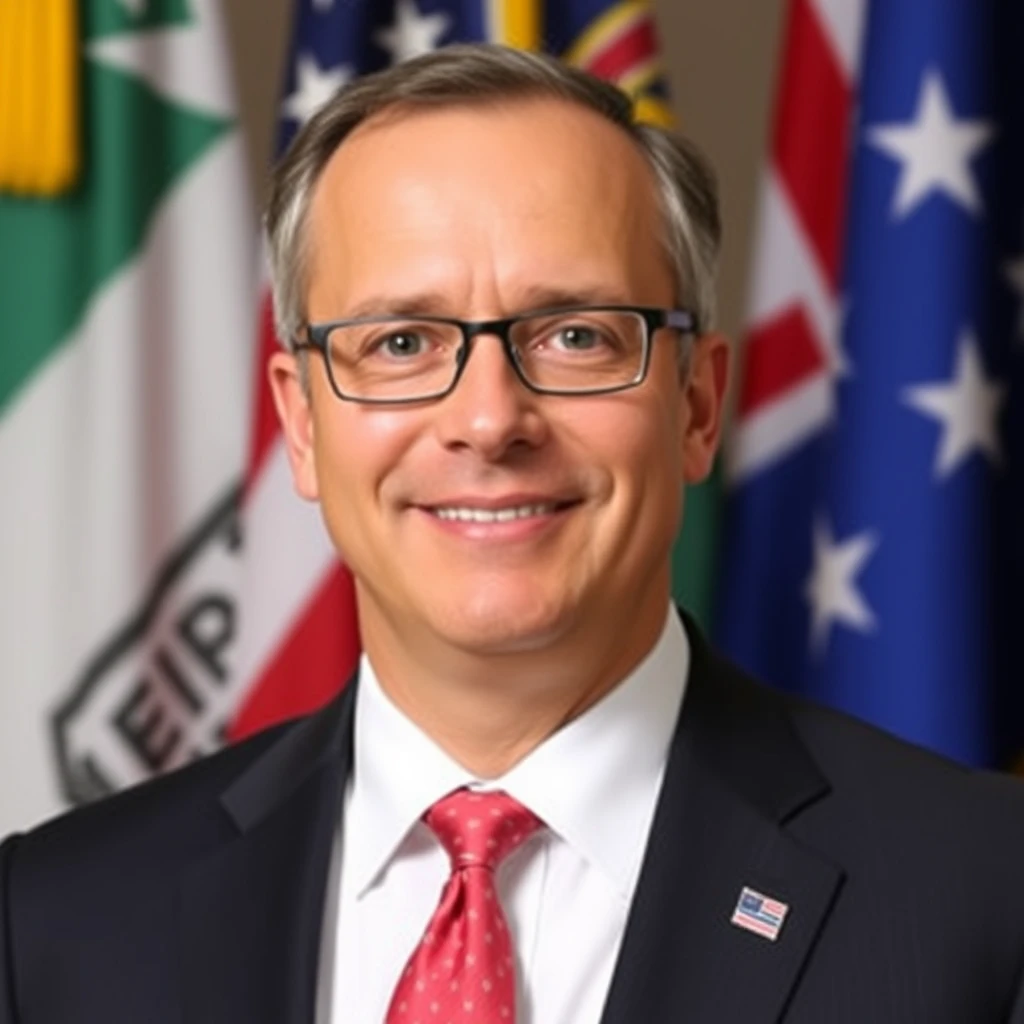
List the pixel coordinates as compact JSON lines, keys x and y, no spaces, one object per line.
{"x":578,"y":338}
{"x":401,"y":344}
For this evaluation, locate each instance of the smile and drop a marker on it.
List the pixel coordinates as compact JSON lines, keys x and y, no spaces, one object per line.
{"x":495,"y":515}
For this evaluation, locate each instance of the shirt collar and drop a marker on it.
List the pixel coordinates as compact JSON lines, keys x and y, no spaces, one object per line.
{"x":594,"y":782}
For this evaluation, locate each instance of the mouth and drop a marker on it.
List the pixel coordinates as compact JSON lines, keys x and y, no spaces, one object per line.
{"x":502,"y":514}
{"x":509,"y":518}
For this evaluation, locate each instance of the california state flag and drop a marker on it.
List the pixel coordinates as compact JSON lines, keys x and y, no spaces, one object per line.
{"x":126,"y":309}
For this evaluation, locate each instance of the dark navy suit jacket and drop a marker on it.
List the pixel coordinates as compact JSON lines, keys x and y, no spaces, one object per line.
{"x":197,"y":899}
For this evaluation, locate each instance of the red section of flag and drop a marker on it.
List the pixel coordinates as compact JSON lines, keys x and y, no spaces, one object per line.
{"x":635,"y":46}
{"x":265,"y":427}
{"x":311,"y":666}
{"x":779,"y":354}
{"x":812,"y":134}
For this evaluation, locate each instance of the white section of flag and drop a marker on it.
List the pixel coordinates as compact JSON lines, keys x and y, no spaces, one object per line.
{"x":764,"y":437}
{"x":844,"y":23}
{"x":292,"y":555}
{"x":116,"y":447}
{"x":787,"y":272}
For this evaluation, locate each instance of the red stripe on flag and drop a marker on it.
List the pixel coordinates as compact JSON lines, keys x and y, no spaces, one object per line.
{"x":812,"y":134}
{"x":779,"y":354}
{"x":635,"y":46}
{"x":265,"y":426}
{"x":311,"y":666}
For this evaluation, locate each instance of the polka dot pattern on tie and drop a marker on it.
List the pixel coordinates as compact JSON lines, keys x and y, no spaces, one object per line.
{"x":463,"y":970}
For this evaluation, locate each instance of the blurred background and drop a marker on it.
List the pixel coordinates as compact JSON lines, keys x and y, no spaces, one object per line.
{"x":162,"y":592}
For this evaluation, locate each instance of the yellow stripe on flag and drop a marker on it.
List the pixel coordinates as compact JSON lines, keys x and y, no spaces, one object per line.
{"x":62,"y":147}
{"x":516,"y":23}
{"x":10,"y":30}
{"x":613,"y":22}
{"x":39,"y":108}
{"x":641,"y":78}
{"x":649,"y":109}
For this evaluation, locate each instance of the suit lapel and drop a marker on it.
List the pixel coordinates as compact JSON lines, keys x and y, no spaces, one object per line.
{"x":250,"y":913}
{"x":737,"y":773}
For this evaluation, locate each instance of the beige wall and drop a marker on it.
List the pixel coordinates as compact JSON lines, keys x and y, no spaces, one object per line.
{"x":720,"y":56}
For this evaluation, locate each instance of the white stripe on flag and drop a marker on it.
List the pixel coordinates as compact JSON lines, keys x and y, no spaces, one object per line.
{"x":290,"y":555}
{"x":844,"y":21}
{"x":764,"y":437}
{"x":786,"y":271}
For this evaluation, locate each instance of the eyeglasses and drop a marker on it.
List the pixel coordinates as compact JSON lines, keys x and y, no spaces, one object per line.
{"x":583,"y":350}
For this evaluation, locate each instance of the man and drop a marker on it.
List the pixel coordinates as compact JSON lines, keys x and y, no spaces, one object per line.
{"x":544,"y":799}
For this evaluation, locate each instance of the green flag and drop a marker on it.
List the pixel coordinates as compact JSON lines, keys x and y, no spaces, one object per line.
{"x":696,"y":550}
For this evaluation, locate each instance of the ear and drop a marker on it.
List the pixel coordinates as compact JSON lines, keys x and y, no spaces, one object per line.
{"x":704,"y":397}
{"x":296,"y":416}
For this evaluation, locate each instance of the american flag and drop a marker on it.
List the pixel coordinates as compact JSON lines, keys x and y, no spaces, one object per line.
{"x":298,"y":639}
{"x":874,"y":545}
{"x":759,"y":914}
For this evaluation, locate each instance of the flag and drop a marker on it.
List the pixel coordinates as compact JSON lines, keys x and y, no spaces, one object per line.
{"x":127,"y":308}
{"x":759,"y":914}
{"x":299,"y":638}
{"x":874,"y":555}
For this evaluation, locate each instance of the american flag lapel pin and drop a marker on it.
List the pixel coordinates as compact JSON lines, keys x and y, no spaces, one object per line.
{"x":759,"y":914}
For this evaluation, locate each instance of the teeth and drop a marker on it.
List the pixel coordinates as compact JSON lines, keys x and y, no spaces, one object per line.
{"x":500,"y":515}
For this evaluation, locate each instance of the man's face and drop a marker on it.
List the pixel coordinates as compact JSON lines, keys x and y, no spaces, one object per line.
{"x":484,"y":212}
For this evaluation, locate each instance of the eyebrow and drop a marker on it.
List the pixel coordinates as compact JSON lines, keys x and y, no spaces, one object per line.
{"x":438,"y":304}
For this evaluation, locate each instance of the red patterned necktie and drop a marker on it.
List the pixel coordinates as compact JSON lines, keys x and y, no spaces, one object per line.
{"x":463,"y":969}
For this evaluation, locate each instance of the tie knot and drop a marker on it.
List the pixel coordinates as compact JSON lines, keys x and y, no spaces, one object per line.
{"x":480,"y":828}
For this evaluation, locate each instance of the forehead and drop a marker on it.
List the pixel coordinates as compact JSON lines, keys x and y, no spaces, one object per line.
{"x":509,"y":193}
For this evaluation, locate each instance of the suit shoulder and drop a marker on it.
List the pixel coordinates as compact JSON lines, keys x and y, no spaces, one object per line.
{"x":855,"y":753}
{"x":158,"y":818}
{"x":894,"y":786}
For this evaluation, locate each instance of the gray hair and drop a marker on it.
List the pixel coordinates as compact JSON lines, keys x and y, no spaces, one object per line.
{"x":480,"y":73}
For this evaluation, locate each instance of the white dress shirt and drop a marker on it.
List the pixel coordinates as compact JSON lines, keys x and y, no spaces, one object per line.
{"x":566,"y":892}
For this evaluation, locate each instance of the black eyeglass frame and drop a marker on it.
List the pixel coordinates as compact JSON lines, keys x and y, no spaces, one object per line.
{"x":682,"y":320}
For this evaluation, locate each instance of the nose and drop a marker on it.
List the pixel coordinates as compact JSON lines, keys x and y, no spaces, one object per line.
{"x":490,"y":411}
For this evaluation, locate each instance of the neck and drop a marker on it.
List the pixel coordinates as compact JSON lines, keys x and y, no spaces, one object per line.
{"x":488,"y":711}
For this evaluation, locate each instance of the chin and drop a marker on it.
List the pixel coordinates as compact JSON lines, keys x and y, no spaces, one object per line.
{"x":485,"y":624}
